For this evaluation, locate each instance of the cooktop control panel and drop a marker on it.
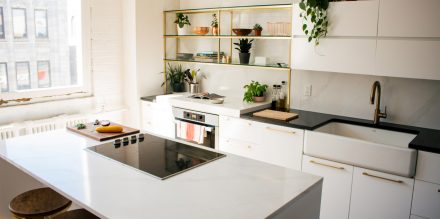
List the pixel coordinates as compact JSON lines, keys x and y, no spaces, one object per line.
{"x":194,"y":116}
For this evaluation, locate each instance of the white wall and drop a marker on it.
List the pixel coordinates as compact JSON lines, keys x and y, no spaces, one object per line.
{"x":106,"y":53}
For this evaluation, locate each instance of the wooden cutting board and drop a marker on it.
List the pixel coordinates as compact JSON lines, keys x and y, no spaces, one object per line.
{"x":91,"y":133}
{"x":278,"y":115}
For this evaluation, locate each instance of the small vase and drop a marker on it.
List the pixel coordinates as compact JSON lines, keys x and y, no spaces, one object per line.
{"x":178,"y":88}
{"x":258,"y":32}
{"x":185,"y":30}
{"x":215,"y":31}
{"x":244,"y":58}
{"x":258,"y":99}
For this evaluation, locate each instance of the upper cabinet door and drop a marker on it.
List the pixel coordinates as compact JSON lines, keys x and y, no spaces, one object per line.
{"x":409,"y":18}
{"x":349,"y":18}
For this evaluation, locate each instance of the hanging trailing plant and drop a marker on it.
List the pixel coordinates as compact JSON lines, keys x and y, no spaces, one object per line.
{"x":315,"y":20}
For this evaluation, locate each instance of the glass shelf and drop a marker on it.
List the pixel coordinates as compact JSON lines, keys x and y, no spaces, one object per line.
{"x":230,"y":37}
{"x":236,"y":8}
{"x":272,"y":67}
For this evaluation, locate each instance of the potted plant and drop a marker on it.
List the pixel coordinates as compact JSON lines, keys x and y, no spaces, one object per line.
{"x":258,"y":29}
{"x":175,"y":75}
{"x":183,"y":24}
{"x":254,"y":92}
{"x":214,"y":25}
{"x":244,"y":47}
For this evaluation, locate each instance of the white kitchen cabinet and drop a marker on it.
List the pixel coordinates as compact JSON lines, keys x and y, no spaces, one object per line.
{"x":409,"y":18}
{"x":428,"y":167}
{"x":341,"y":15}
{"x":380,"y":195}
{"x":344,"y":55}
{"x":426,"y":200}
{"x":260,"y":141}
{"x":158,"y":119}
{"x":408,"y":58}
{"x":336,"y":191}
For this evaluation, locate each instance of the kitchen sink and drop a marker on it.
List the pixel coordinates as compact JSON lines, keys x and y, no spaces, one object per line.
{"x":368,"y":147}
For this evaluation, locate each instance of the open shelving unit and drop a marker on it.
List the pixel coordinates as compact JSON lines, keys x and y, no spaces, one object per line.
{"x":227,"y":34}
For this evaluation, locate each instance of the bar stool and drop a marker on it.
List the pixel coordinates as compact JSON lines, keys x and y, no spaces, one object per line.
{"x":76,"y":214}
{"x":38,"y":204}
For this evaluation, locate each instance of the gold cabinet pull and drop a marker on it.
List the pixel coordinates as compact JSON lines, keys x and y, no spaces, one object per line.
{"x":383,"y":178}
{"x":327,"y":165}
{"x":282,"y":131}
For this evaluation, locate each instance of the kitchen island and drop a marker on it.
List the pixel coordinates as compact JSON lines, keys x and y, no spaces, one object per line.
{"x":231,"y":187}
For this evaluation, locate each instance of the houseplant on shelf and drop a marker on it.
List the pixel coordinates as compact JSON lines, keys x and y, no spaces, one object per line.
{"x":214,"y":25}
{"x":254,"y":92}
{"x":183,"y":24}
{"x":244,"y":47}
{"x":257,"y":29}
{"x":175,"y":75}
{"x":315,"y":20}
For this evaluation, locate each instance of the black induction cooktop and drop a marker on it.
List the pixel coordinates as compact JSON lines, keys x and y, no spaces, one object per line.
{"x":159,"y":157}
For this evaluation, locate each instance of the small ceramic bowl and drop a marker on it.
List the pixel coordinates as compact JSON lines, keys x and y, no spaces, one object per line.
{"x":200,"y":30}
{"x":217,"y":100}
{"x":242,"y":31}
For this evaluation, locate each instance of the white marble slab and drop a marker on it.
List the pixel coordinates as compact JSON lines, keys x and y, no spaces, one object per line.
{"x":232,"y":187}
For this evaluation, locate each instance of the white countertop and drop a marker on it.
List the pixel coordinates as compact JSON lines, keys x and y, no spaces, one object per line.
{"x":232,"y":106}
{"x":231,"y":187}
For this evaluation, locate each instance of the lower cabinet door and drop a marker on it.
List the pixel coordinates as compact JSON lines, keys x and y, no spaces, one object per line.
{"x":380,"y":196}
{"x":336,"y":190}
{"x":426,"y":200}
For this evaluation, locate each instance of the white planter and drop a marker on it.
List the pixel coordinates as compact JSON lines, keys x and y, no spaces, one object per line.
{"x":186,"y":30}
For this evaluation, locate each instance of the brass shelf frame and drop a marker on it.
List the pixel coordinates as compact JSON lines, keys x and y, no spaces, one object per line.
{"x":230,"y":37}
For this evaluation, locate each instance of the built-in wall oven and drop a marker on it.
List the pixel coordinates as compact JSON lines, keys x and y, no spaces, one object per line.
{"x":191,"y":124}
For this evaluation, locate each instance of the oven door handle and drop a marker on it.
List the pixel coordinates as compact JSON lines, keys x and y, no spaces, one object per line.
{"x":207,"y":128}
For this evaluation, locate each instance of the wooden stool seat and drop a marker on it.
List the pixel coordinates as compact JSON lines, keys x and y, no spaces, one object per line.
{"x":76,"y":214}
{"x":38,"y":203}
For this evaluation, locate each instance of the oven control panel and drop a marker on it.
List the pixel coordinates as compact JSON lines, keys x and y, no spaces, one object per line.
{"x":194,"y":116}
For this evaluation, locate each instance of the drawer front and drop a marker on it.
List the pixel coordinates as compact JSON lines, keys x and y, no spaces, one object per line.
{"x":428,"y":167}
{"x":426,"y":200}
{"x":239,"y":147}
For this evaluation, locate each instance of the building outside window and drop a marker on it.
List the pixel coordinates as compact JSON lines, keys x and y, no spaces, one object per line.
{"x":2,"y":24}
{"x":4,"y":84}
{"x":43,"y":72}
{"x":41,"y":28}
{"x":54,"y":68}
{"x":19,"y":23}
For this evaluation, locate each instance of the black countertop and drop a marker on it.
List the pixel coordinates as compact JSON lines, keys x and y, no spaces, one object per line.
{"x":426,"y":139}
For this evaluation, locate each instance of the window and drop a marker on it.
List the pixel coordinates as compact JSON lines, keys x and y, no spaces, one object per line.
{"x":54,"y":68}
{"x":4,"y":77}
{"x":19,"y":23}
{"x":43,"y":73}
{"x":23,"y":75}
{"x":2,"y":24}
{"x":41,"y":29}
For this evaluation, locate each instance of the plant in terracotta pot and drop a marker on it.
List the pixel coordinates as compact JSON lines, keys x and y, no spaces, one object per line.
{"x":214,"y":25}
{"x":244,"y":46}
{"x":183,"y":24}
{"x":175,"y":75}
{"x":254,"y":92}
{"x":258,"y":29}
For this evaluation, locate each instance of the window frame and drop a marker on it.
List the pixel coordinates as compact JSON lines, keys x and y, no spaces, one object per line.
{"x":2,"y":18}
{"x":26,"y":35}
{"x":28,"y":73}
{"x":7,"y":76}
{"x":84,"y":89}
{"x":48,"y":73}
{"x":35,"y":23}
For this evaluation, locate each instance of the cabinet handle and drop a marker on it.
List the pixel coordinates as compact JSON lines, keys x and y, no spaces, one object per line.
{"x":327,"y":165}
{"x":438,"y":190}
{"x":379,"y":177}
{"x":278,"y":130}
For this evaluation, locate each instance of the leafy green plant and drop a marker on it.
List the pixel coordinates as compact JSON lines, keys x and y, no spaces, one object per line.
{"x":258,"y":27}
{"x":315,"y":13}
{"x":254,"y":89}
{"x":175,"y":75}
{"x":244,"y":46}
{"x":214,"y":22}
{"x":182,"y":20}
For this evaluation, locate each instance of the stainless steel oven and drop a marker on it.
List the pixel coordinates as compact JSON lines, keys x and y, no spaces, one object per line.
{"x":208,"y":121}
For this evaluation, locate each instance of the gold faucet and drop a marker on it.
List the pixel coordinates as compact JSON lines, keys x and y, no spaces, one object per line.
{"x":377,"y":113}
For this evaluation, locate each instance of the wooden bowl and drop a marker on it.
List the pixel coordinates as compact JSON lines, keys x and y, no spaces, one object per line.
{"x":200,"y":30}
{"x":242,"y":31}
